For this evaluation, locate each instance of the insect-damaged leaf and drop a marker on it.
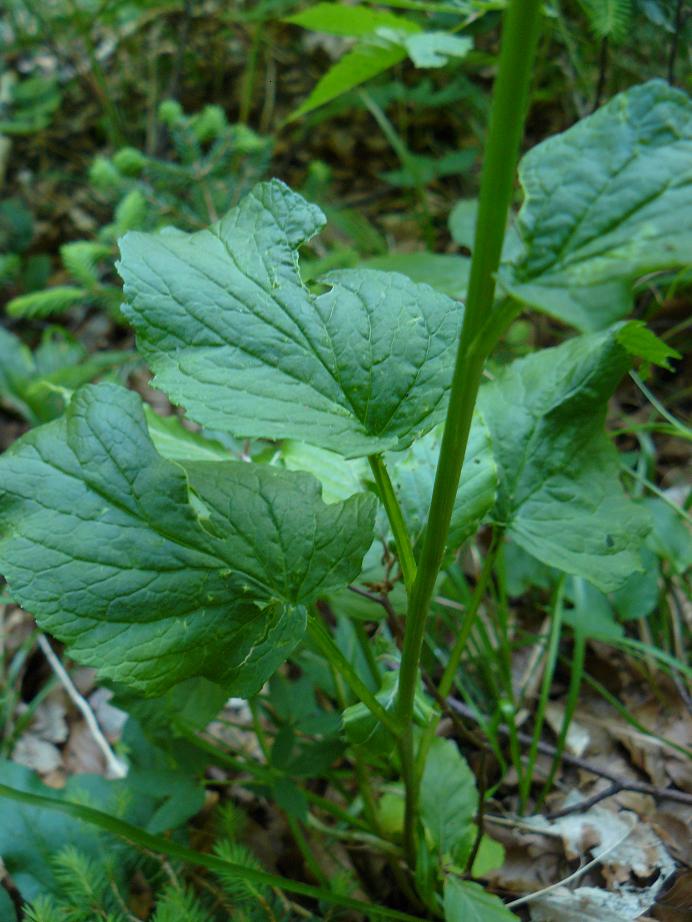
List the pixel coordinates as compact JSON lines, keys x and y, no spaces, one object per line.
{"x":606,"y":201}
{"x":560,"y":495}
{"x":155,"y":573}
{"x":234,"y":336}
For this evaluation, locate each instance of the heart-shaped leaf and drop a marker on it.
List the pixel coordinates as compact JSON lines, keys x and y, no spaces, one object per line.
{"x":606,"y":201}
{"x":235,"y":337}
{"x":560,"y":495}
{"x":154,"y":573}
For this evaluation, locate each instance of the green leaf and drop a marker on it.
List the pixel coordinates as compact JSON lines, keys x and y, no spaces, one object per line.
{"x":234,"y":336}
{"x":365,"y":61}
{"x":16,"y":368}
{"x":462,"y":222}
{"x":670,"y":537}
{"x":157,"y":800}
{"x":364,"y":730}
{"x":353,"y":21}
{"x":155,"y":574}
{"x":245,"y":871}
{"x":605,"y":202}
{"x":638,"y":595}
{"x":467,"y":902}
{"x":448,"y":796}
{"x":609,"y":18}
{"x":490,"y":856}
{"x":413,"y":474}
{"x":590,"y":614}
{"x":339,"y":478}
{"x":434,"y":49}
{"x":176,"y":443}
{"x":445,"y":272}
{"x":560,"y":496}
{"x":640,"y":341}
{"x":419,"y":169}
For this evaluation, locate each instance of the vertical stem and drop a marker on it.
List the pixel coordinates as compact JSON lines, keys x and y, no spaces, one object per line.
{"x":602,"y":72}
{"x":447,"y":680}
{"x":324,"y":643}
{"x":404,"y":548}
{"x":576,"y":673}
{"x":679,"y":22}
{"x":548,"y":673}
{"x":507,"y":115}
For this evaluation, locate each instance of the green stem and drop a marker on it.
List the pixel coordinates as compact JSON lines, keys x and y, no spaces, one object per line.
{"x":333,"y":655}
{"x":309,"y":858}
{"x":576,"y":673}
{"x":449,"y":673}
{"x":365,"y":645}
{"x":407,"y":162}
{"x":520,"y":34}
{"x":164,"y":846}
{"x":407,"y":561}
{"x":551,"y":659}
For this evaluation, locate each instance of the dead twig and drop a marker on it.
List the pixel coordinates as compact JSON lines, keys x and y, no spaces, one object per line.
{"x":618,"y":784}
{"x":115,"y":766}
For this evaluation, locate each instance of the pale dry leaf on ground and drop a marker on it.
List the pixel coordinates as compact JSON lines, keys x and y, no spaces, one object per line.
{"x":36,"y":753}
{"x":578,"y":737}
{"x":82,"y":753}
{"x":111,"y":719}
{"x":635,"y":865}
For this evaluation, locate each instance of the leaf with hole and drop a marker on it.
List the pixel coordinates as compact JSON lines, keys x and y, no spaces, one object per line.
{"x":234,"y":336}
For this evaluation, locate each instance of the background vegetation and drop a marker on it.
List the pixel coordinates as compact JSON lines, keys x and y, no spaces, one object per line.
{"x":119,"y":115}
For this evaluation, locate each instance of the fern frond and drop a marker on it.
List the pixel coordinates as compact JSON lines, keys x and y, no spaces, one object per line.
{"x":179,"y":905}
{"x":131,"y":212}
{"x":82,"y":878}
{"x":240,"y":891}
{"x":609,"y":18}
{"x":80,"y":258}
{"x":47,"y":302}
{"x":43,"y":909}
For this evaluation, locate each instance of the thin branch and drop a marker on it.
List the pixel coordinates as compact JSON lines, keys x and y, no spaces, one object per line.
{"x":576,"y":762}
{"x":116,"y":767}
{"x":602,"y":72}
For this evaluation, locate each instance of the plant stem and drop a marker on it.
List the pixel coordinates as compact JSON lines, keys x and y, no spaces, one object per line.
{"x":333,"y":655}
{"x":447,"y":680}
{"x":576,"y":673}
{"x":526,"y":777}
{"x":510,"y":94}
{"x":402,"y":540}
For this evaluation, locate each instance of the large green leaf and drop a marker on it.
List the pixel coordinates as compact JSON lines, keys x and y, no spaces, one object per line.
{"x":233,"y":335}
{"x":413,"y":474}
{"x":155,"y":574}
{"x":605,"y":202}
{"x":448,"y":796}
{"x":560,"y":495}
{"x":468,"y":902}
